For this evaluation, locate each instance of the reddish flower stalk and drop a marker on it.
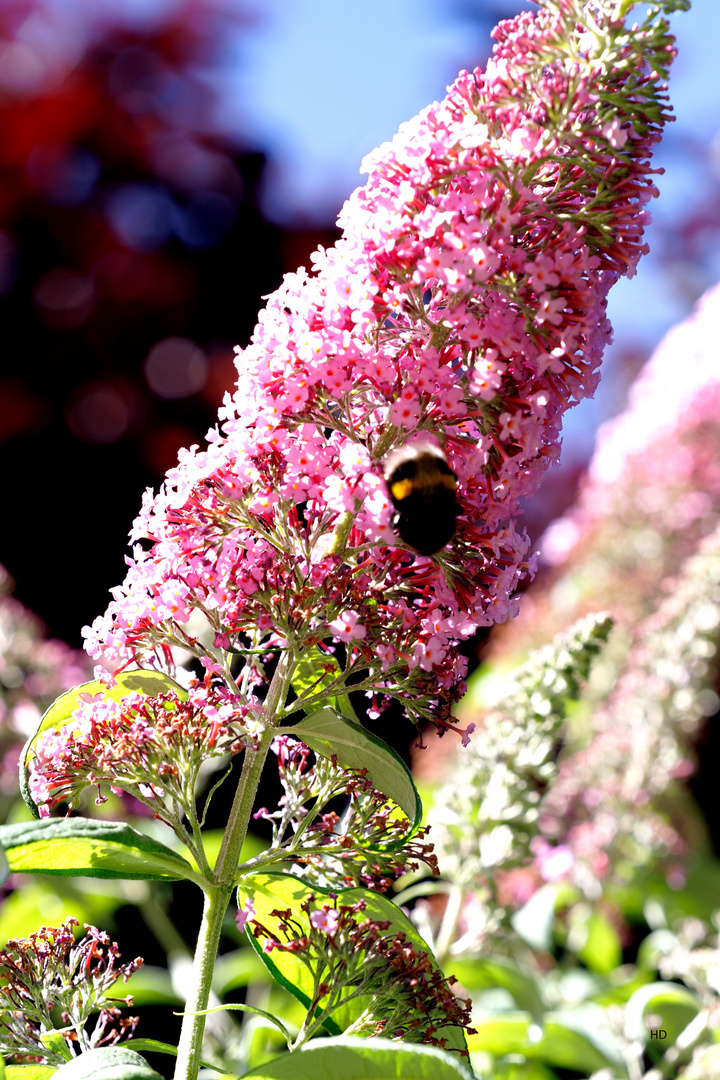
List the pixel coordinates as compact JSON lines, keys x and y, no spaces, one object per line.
{"x":352,"y":958}
{"x":50,"y":973}
{"x":151,"y":748}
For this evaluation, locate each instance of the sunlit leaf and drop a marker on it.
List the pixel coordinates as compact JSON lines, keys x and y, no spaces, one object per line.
{"x":29,"y":1072}
{"x":149,"y":683}
{"x":554,"y":1043}
{"x":672,"y":1004}
{"x":272,"y":891}
{"x":108,"y":1063}
{"x":329,"y":734}
{"x":104,"y":849}
{"x":313,"y":673}
{"x":482,"y":974}
{"x":602,"y":949}
{"x":349,"y":1058}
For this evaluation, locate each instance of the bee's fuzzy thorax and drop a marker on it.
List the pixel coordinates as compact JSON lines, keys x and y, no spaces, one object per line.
{"x":422,"y":487}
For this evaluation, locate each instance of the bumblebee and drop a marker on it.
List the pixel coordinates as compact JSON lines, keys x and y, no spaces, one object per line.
{"x":422,"y":489}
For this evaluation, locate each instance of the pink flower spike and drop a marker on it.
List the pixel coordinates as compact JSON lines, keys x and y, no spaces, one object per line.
{"x":464,"y":303}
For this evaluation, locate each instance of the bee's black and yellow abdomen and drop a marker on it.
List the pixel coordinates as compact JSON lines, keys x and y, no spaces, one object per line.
{"x":422,"y":488}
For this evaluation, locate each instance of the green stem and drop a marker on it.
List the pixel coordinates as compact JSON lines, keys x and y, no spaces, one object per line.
{"x":193,"y":1026}
{"x":227,"y":862}
{"x":219,"y":892}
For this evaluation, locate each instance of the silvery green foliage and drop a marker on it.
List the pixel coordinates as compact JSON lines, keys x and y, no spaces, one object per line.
{"x":485,"y":817}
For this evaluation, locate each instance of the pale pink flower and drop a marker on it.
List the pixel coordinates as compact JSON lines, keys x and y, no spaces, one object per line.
{"x":325,"y":919}
{"x":244,"y":914}
{"x":347,"y":627}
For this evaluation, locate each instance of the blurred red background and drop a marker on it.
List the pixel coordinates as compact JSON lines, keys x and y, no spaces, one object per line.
{"x":133,"y":257}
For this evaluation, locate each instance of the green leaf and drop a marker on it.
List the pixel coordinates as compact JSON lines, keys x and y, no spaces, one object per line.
{"x":480,"y":974}
{"x":29,"y":1072}
{"x":526,"y":1070}
{"x":272,"y":891}
{"x":152,"y":986}
{"x":4,"y":867}
{"x":555,"y":1043}
{"x":104,"y":849}
{"x":53,"y":1040}
{"x":330,"y":733}
{"x":108,"y":1063}
{"x":349,"y":1058}
{"x":157,"y":1047}
{"x":315,"y":671}
{"x":149,"y":683}
{"x":602,"y":949}
{"x":673,"y":1004}
{"x":236,"y":969}
{"x":534,"y":921}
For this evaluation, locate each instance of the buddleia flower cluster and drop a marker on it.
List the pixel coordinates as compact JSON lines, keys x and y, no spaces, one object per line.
{"x":354,"y":958}
{"x":461,"y":313}
{"x":369,"y":844}
{"x":653,"y":487}
{"x":464,"y":305}
{"x":49,"y":976}
{"x":605,"y":808}
{"x":151,"y":748}
{"x":643,"y":539}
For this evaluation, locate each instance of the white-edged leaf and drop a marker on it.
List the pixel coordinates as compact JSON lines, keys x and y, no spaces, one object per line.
{"x":351,"y":1058}
{"x":108,"y":1063}
{"x":84,"y":846}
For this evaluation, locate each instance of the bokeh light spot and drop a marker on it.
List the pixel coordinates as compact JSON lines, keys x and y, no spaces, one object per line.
{"x":176,"y":368}
{"x":206,"y":220}
{"x":101,"y":412}
{"x":64,"y":299}
{"x":63,"y":175}
{"x":142,"y":216}
{"x":22,"y":71}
